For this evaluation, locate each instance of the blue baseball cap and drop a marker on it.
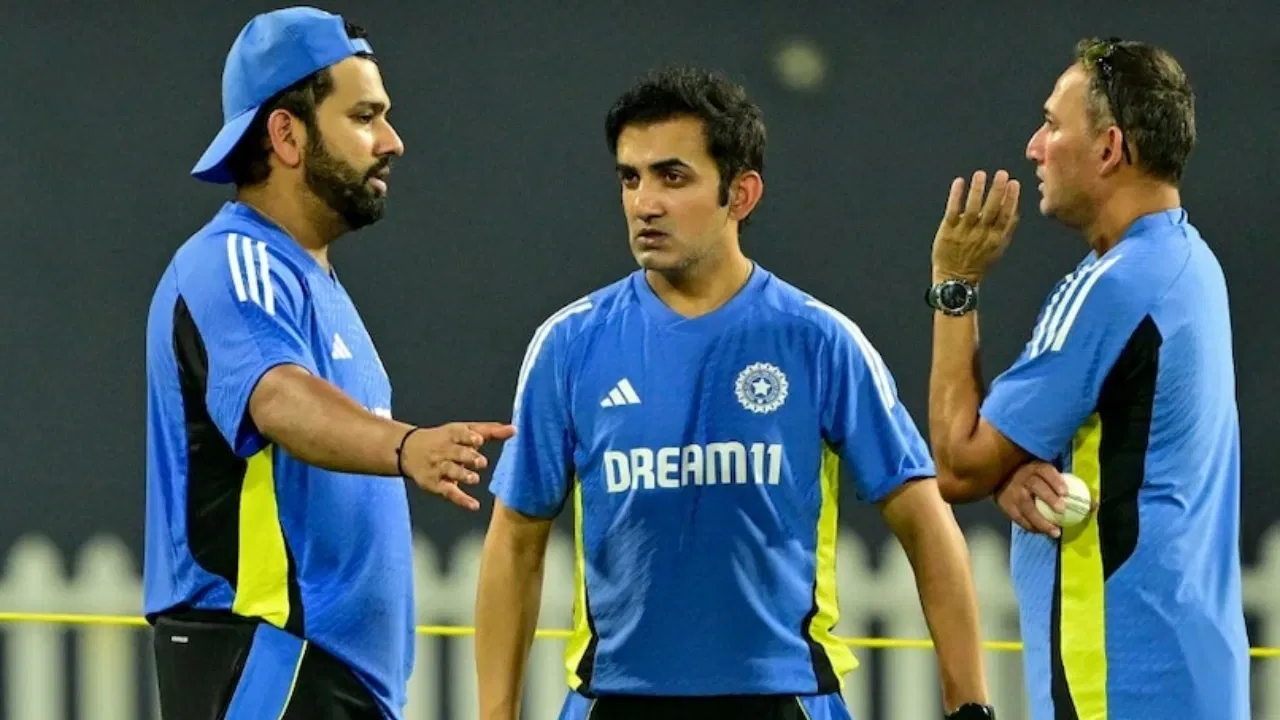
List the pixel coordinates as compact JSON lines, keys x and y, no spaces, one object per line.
{"x":272,"y":52}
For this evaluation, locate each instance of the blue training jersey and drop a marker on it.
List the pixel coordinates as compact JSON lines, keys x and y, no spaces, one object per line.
{"x":700,"y":458}
{"x":233,"y":522}
{"x":1128,"y":382}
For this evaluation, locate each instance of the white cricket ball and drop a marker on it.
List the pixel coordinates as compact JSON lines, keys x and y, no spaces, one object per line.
{"x":1078,"y":501}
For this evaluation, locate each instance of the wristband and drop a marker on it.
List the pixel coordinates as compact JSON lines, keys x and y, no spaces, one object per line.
{"x":400,"y":452}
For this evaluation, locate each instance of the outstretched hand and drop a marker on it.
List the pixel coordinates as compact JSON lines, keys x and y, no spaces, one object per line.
{"x":441,"y":459}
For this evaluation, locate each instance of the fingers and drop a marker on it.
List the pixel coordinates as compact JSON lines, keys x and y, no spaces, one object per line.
{"x":455,"y":495}
{"x":999,"y":207}
{"x":995,"y":198}
{"x":453,"y":472}
{"x":466,"y":457}
{"x":1050,"y":475}
{"x":440,"y":460}
{"x":1009,"y":207}
{"x":1039,"y":488}
{"x":974,"y":202}
{"x":1038,"y":522}
{"x":475,"y":434}
{"x":1021,"y":509}
{"x":1015,"y":514}
{"x":493,"y":430}
{"x":952,"y":214}
{"x":462,"y":434}
{"x":445,"y":480}
{"x":1018,"y":498}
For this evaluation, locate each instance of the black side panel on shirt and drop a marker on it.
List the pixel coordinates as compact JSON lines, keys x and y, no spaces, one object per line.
{"x":1125,"y":408}
{"x":296,"y":623}
{"x":823,"y":671}
{"x":215,"y":474}
{"x":1124,"y":412}
{"x":587,"y":665}
{"x":1064,"y":708}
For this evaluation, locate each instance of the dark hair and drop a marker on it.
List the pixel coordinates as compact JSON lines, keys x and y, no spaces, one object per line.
{"x":734,"y":126}
{"x":248,"y":159}
{"x":1145,"y":92}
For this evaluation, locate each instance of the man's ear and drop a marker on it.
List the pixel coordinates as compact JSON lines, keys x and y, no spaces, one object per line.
{"x":287,"y":136}
{"x":745,"y":194}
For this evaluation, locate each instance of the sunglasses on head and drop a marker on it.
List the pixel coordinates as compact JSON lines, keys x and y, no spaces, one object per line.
{"x":1103,"y":59}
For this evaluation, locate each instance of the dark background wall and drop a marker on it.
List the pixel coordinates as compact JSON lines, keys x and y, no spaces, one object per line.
{"x":504,"y":208}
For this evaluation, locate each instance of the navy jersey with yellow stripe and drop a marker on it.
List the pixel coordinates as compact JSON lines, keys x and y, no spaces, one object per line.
{"x":233,"y":522}
{"x":700,"y":459}
{"x":1128,"y":381}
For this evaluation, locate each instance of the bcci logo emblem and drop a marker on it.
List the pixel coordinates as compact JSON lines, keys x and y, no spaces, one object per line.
{"x":761,"y":388}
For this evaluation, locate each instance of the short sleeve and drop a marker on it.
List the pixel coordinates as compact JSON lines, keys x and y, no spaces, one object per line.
{"x":535,"y":468}
{"x":1053,"y":386}
{"x":863,"y":419}
{"x":244,"y":311}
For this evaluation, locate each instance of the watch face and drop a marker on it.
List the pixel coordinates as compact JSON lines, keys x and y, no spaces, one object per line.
{"x":953,"y":295}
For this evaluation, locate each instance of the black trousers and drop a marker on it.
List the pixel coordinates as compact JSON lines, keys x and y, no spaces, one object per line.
{"x":215,"y":666}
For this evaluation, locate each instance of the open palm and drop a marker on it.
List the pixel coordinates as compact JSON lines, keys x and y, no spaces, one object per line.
{"x":975,"y":234}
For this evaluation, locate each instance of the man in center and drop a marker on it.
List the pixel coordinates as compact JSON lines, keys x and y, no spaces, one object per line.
{"x":694,"y":417}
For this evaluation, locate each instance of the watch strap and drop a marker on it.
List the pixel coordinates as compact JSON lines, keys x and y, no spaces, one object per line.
{"x":972,"y":711}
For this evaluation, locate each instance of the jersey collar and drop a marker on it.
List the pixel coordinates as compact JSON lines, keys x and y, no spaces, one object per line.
{"x":1157,"y":221}
{"x":272,"y":234}
{"x":656,"y":309}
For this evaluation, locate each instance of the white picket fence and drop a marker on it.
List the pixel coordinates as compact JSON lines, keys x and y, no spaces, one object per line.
{"x":104,"y":579}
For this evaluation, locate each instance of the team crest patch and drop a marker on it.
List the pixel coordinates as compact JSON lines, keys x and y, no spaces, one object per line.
{"x":761,"y":388}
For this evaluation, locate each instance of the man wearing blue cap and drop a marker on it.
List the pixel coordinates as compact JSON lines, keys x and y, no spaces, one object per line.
{"x":278,"y":569}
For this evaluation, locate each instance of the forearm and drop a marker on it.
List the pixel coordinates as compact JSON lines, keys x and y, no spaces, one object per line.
{"x":508,"y":600}
{"x":319,"y":424}
{"x":944,"y":580}
{"x":965,"y":472}
{"x":955,"y":387}
{"x":972,"y":457}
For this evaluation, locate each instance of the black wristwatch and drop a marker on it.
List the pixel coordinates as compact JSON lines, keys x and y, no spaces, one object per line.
{"x":972,"y":711}
{"x":953,"y":297}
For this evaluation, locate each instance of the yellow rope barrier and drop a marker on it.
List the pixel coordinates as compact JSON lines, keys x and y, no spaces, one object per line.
{"x":461,"y":631}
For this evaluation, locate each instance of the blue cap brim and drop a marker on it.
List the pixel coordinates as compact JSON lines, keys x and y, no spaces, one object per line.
{"x":212,"y":166}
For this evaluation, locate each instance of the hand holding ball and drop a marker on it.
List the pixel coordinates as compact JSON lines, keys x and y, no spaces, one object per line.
{"x":1078,"y":503}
